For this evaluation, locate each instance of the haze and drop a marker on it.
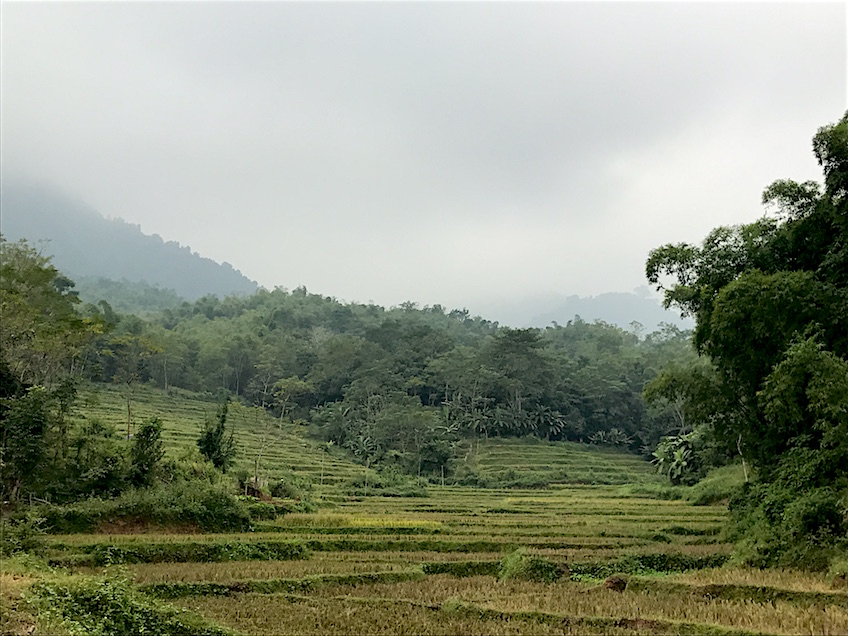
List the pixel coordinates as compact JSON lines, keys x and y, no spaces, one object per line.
{"x":443,"y":153}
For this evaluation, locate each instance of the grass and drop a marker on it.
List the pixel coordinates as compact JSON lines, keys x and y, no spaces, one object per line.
{"x":285,"y":448}
{"x":414,"y":565}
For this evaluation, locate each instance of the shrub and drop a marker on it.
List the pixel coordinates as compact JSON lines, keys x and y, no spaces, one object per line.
{"x":99,"y":606}
{"x":796,"y":519}
{"x":839,"y":570}
{"x":189,"y":465}
{"x":389,"y":483}
{"x":292,"y":486}
{"x":261,"y":510}
{"x":24,"y":534}
{"x":718,"y":486}
{"x":520,"y":566}
{"x":215,"y":443}
{"x":211,"y":507}
{"x":146,"y":452}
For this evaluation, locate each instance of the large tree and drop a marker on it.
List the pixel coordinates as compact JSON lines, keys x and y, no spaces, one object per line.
{"x":770,"y":301}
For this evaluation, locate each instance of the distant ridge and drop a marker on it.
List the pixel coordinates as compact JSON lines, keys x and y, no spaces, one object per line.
{"x":85,"y":244}
{"x":616,"y":308}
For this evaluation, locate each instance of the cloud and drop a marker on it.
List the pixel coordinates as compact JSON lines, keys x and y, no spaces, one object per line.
{"x":437,"y":152}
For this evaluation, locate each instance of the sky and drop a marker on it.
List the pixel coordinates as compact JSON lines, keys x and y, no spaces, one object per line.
{"x":451,"y":153}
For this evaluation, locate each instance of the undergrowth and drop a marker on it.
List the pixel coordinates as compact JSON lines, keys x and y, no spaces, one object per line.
{"x":210,"y":507}
{"x":106,"y":607}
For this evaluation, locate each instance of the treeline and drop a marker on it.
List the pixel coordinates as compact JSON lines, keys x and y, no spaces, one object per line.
{"x":770,"y":300}
{"x":398,"y":386}
{"x":404,"y":382}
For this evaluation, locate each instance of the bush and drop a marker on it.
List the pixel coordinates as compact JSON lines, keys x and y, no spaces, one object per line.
{"x":108,"y":606}
{"x":216,"y":443}
{"x":260,"y":510}
{"x":520,"y":566}
{"x":389,"y":483}
{"x":839,"y":570}
{"x":146,"y":452}
{"x":24,"y":534}
{"x":292,"y":486}
{"x":210,"y":507}
{"x":189,"y":465}
{"x":720,"y":485}
{"x":793,"y":520}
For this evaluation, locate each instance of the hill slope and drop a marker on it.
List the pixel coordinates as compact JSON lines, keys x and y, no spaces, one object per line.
{"x":281,"y":448}
{"x":84,"y":243}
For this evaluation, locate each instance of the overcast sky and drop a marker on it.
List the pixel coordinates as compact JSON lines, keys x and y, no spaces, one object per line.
{"x":444,"y":153}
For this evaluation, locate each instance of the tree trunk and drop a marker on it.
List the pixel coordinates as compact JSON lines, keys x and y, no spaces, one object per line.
{"x":129,"y":411}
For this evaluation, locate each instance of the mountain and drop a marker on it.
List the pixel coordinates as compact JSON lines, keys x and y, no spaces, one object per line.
{"x":617,"y":308}
{"x":85,"y":244}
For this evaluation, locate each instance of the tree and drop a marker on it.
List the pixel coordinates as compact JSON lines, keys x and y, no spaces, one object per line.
{"x":770,"y":301}
{"x":146,"y":452}
{"x":754,"y":288}
{"x":130,"y":353}
{"x":287,"y":391}
{"x":42,"y":336}
{"x":215,"y":443}
{"x":24,"y":420}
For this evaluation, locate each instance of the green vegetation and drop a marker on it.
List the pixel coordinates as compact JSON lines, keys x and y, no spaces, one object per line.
{"x":520,"y":566}
{"x":188,"y":504}
{"x":771,"y":303}
{"x":104,"y":607}
{"x":284,"y":462}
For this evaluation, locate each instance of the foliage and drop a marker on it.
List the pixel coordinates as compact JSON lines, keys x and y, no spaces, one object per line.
{"x":23,"y":424}
{"x":521,"y":566}
{"x":215,"y":443}
{"x":388,"y":483}
{"x":100,"y":606}
{"x":146,"y":453}
{"x":208,"y":507}
{"x":292,"y":486}
{"x":23,"y":534}
{"x":771,"y":303}
{"x":720,"y":485}
{"x":42,"y":333}
{"x":676,"y":457}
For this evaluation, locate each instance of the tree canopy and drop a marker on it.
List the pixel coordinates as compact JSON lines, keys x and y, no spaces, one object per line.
{"x":770,"y":299}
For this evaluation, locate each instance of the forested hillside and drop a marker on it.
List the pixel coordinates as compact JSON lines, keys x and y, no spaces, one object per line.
{"x":403,"y":387}
{"x":368,"y":377}
{"x":85,"y":244}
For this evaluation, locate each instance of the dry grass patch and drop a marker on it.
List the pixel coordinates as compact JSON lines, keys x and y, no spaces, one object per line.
{"x":15,"y":615}
{"x":253,"y":614}
{"x":255,"y":570}
{"x":792,"y":580}
{"x":583,"y":600}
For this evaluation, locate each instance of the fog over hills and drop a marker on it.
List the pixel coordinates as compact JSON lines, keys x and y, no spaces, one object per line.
{"x":617,"y":308}
{"x":84,"y":243}
{"x":88,"y":246}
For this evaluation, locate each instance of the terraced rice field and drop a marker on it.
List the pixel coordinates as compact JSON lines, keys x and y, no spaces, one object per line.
{"x":386,"y":565}
{"x":380,"y":565}
{"x":284,"y":446}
